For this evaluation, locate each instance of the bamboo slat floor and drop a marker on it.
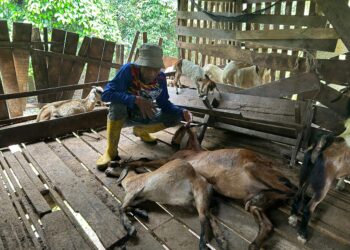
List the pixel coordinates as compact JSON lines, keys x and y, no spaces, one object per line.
{"x":54,"y":197}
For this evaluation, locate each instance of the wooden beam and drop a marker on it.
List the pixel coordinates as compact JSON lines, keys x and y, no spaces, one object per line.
{"x":133,"y":46}
{"x":50,"y":90}
{"x":286,"y":87}
{"x":338,"y":13}
{"x":335,"y":71}
{"x":52,"y":128}
{"x":310,"y":21}
{"x":310,"y":33}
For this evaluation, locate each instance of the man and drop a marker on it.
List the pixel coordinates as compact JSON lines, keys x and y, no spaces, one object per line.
{"x":139,"y":97}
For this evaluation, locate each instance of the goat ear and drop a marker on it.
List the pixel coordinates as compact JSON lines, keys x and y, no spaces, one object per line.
{"x":123,"y":174}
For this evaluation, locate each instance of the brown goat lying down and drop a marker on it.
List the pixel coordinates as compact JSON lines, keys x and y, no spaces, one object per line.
{"x":236,"y":173}
{"x":175,"y":183}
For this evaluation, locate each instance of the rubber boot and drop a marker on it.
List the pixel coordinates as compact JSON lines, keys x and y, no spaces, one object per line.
{"x":113,"y":135}
{"x":144,"y":131}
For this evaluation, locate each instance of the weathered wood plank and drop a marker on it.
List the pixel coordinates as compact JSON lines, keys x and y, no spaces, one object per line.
{"x":39,"y":66}
{"x":338,"y":13}
{"x":335,"y":71}
{"x":13,"y":235}
{"x":4,"y":114}
{"x":28,"y":169}
{"x":144,"y":238}
{"x":8,"y":72}
{"x":95,"y":52}
{"x":37,"y":200}
{"x":286,"y":87}
{"x":310,"y":21}
{"x":133,"y":46}
{"x":54,"y":63}
{"x":60,"y":233}
{"x":70,"y":48}
{"x":106,"y":225}
{"x":88,"y":157}
{"x":47,"y":129}
{"x":107,"y":56}
{"x":310,"y":33}
{"x":334,"y":100}
{"x":22,"y":32}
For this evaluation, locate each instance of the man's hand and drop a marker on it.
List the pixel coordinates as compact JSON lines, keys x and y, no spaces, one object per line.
{"x":188,"y":117}
{"x":146,"y":107}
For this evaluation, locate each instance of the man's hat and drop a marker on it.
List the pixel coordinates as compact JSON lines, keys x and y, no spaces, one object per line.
{"x":150,"y":55}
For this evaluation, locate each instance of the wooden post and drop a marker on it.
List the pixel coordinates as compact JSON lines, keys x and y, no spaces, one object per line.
{"x":133,"y":46}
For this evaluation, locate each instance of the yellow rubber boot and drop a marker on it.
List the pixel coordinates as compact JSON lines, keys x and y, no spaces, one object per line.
{"x":144,"y":131}
{"x":113,"y":135}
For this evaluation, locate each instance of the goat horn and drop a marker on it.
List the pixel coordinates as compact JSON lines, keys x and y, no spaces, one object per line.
{"x":123,"y":174}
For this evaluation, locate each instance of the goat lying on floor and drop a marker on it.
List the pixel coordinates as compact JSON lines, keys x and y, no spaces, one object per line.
{"x":323,"y":163}
{"x":236,"y":173}
{"x":175,"y":183}
{"x":70,"y":107}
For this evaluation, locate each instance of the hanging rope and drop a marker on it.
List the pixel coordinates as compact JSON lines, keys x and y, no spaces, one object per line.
{"x":234,"y":17}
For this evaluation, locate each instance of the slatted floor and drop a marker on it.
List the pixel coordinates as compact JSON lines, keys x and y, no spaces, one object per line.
{"x":51,"y":192}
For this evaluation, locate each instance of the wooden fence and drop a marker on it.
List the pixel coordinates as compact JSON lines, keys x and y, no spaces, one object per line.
{"x":55,"y":63}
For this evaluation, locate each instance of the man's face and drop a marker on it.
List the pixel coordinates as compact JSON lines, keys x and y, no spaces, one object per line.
{"x":148,"y":74}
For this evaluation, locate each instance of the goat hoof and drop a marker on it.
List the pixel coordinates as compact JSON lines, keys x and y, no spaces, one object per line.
{"x":253,"y":246}
{"x":113,"y":172}
{"x":132,"y":231}
{"x":301,"y":239}
{"x":293,"y":220}
{"x":222,"y":243}
{"x":141,"y":213}
{"x":340,"y":186}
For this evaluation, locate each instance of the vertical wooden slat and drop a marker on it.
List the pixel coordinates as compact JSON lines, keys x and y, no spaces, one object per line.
{"x":182,"y":6}
{"x":122,"y":54}
{"x":39,"y":66}
{"x":133,"y":46}
{"x":107,"y":56}
{"x":204,"y":40}
{"x":4,"y":114}
{"x":8,"y":72}
{"x":77,"y":68}
{"x":22,"y":32}
{"x":70,"y":48}
{"x":54,"y":63}
{"x":95,"y":52}
{"x":144,"y":37}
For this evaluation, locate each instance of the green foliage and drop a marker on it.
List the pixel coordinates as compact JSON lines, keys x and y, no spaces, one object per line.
{"x":156,"y":17}
{"x":115,"y":20}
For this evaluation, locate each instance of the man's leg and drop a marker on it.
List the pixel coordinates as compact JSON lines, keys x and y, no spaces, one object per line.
{"x":115,"y":121}
{"x":160,"y":122}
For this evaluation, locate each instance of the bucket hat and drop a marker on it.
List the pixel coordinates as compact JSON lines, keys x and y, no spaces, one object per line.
{"x":150,"y":55}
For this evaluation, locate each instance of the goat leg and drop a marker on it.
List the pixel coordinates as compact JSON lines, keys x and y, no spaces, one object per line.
{"x":219,"y":236}
{"x":308,"y":211}
{"x":265,"y":228}
{"x":141,"y":213}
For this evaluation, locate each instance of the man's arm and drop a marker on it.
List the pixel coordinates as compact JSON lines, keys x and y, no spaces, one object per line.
{"x":116,"y":89}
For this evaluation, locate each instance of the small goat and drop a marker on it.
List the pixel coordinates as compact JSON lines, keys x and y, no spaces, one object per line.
{"x":323,"y":163}
{"x":236,"y":173}
{"x":70,"y":107}
{"x":175,"y":183}
{"x":193,"y":71}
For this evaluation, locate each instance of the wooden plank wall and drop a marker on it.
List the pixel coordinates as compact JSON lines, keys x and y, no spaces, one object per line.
{"x":276,"y":31}
{"x":59,"y":61}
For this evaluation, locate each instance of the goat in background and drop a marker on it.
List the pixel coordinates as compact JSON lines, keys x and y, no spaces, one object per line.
{"x":70,"y":107}
{"x":193,"y":71}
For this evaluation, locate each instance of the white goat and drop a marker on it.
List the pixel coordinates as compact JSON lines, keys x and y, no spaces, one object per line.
{"x":193,"y":71}
{"x":175,"y":183}
{"x":70,"y":107}
{"x":239,"y":74}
